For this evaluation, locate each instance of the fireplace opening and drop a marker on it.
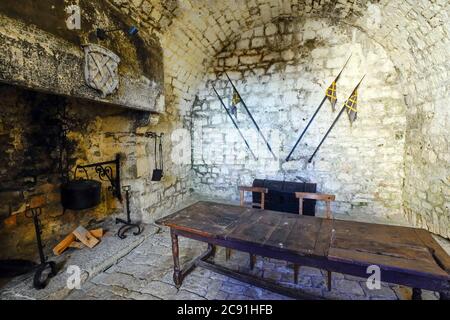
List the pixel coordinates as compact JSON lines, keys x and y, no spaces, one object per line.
{"x":43,"y":137}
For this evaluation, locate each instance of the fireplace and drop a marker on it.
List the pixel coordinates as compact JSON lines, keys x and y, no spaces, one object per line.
{"x":64,"y":105}
{"x":43,"y":138}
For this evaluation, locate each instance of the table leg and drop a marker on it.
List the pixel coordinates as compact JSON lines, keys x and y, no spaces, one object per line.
{"x":227,"y":254}
{"x":252,"y":261}
{"x":329,"y":280}
{"x":416,"y":294}
{"x":210,"y":252}
{"x":296,"y":269}
{"x":177,"y":277}
{"x":444,"y":295}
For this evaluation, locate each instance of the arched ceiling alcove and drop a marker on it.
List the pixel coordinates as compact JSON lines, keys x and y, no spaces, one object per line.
{"x":414,"y":33}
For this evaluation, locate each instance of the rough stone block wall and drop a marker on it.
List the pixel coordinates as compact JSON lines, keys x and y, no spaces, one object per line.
{"x":409,"y":36}
{"x":427,"y":146}
{"x":282,"y":70}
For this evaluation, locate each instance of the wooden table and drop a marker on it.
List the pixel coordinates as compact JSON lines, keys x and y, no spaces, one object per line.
{"x":406,"y":256}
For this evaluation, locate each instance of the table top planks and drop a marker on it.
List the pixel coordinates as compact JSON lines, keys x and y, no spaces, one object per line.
{"x":391,"y":247}
{"x":205,"y":218}
{"x":394,"y":248}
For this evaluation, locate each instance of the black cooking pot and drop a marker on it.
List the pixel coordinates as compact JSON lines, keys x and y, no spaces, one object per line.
{"x":80,"y":194}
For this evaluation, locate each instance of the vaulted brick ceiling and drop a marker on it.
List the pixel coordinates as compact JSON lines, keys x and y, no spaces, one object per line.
{"x":414,"y":32}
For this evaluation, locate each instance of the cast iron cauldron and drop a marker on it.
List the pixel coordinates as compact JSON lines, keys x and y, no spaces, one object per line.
{"x":80,"y":194}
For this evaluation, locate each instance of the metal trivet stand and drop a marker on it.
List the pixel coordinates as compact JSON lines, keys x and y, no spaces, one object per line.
{"x":38,"y":281}
{"x":105,"y":173}
{"x":127,"y":223}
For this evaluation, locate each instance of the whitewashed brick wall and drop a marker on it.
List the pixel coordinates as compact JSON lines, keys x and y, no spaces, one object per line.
{"x":282,"y":70}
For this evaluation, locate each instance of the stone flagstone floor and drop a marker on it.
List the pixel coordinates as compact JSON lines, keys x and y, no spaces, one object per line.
{"x":146,"y":273}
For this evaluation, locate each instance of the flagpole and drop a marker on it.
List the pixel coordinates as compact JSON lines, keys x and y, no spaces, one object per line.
{"x":251,"y":117}
{"x":335,"y":121}
{"x":306,"y":128}
{"x":339,"y":75}
{"x":326,"y":134}
{"x":235,"y":124}
{"x":315,"y":113}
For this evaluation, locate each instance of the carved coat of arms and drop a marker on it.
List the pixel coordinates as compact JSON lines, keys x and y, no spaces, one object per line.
{"x":100,"y":69}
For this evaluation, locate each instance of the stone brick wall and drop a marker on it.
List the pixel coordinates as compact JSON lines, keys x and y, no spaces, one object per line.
{"x":427,"y":146}
{"x":283,"y":55}
{"x":282,"y":70}
{"x":29,"y":134}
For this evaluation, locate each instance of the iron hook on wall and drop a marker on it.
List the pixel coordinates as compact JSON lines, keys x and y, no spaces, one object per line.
{"x":102,"y":33}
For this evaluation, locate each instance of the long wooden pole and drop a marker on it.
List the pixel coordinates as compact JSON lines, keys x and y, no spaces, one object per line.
{"x":235,"y":124}
{"x":251,"y":117}
{"x":315,"y":113}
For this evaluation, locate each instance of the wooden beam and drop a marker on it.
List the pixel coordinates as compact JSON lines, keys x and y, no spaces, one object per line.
{"x":64,"y":244}
{"x":98,"y":233}
{"x":68,"y":241}
{"x":85,"y":237}
{"x":264,"y":284}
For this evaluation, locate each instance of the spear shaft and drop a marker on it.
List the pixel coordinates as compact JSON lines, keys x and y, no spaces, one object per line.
{"x":251,"y":117}
{"x":306,"y":128}
{"x":315,"y":113}
{"x":335,"y":121}
{"x":235,"y":124}
{"x":326,"y":134}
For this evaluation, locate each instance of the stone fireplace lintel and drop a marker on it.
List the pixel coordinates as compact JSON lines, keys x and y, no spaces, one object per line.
{"x":38,"y":60}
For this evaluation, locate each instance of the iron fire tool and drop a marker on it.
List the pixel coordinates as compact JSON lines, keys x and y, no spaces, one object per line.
{"x":350,"y":104}
{"x":157,"y":173}
{"x":251,"y":117}
{"x":127,"y":223}
{"x":39,"y":282}
{"x":234,"y":123}
{"x":102,"y":33}
{"x":331,"y":95}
